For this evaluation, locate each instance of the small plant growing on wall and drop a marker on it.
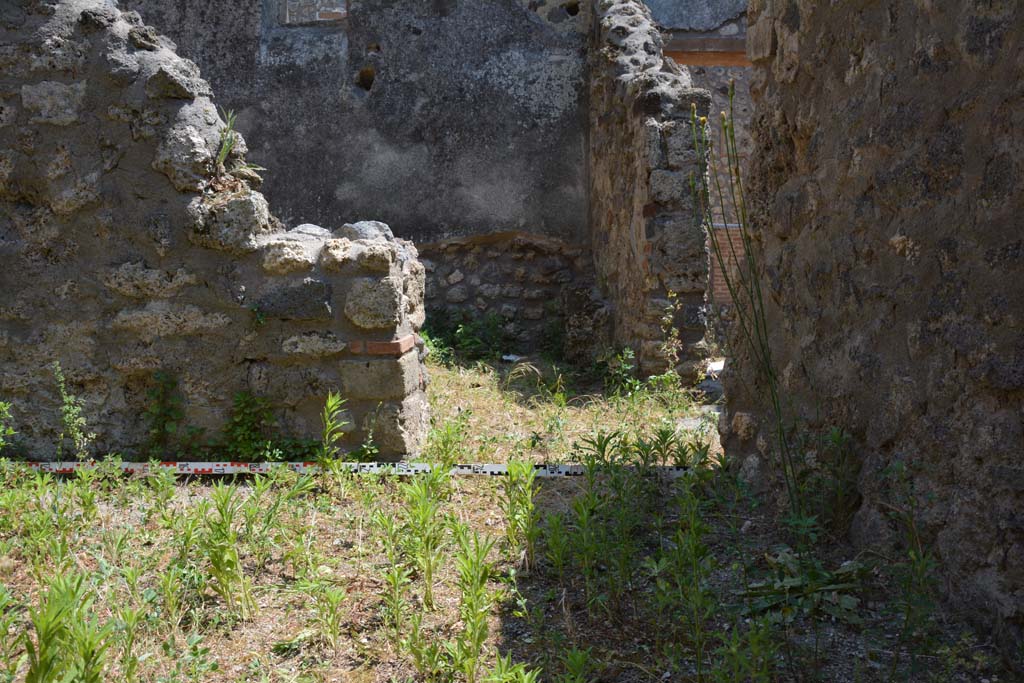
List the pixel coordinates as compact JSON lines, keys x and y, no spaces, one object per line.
{"x":74,"y":427}
{"x":6,"y":431}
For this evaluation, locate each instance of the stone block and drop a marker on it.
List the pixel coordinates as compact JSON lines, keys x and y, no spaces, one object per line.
{"x":307,"y":300}
{"x":401,"y":428}
{"x":137,"y":281}
{"x":374,"y":303}
{"x":679,"y":142}
{"x":177,"y":80}
{"x":165,"y":319}
{"x":313,"y":344}
{"x":457,"y":294}
{"x":670,"y":187}
{"x":366,"y":230}
{"x":185,"y":158}
{"x":336,"y":254}
{"x":283,"y":255}
{"x":230,"y":222}
{"x":54,"y":103}
{"x":380,"y":378}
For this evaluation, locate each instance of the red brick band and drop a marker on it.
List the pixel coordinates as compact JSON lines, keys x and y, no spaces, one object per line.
{"x":397,"y":347}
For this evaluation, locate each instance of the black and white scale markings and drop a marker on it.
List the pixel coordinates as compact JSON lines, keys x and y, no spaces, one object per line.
{"x":543,"y":470}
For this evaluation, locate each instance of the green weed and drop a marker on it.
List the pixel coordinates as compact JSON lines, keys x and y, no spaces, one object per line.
{"x":74,"y":427}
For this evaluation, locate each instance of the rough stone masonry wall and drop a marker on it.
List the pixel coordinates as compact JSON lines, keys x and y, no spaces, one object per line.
{"x":123,"y":254}
{"x":645,"y":239}
{"x":888,"y":189}
{"x":519,"y":279}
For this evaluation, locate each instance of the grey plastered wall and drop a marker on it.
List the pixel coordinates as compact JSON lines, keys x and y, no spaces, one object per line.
{"x":474,"y":122}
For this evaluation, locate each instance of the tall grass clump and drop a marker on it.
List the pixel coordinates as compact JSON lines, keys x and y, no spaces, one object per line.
{"x":741,"y":272}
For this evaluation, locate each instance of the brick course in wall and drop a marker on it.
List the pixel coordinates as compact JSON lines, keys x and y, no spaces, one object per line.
{"x":310,"y":12}
{"x":730,"y":241}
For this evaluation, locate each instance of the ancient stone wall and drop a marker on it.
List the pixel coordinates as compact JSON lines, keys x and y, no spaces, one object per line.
{"x":887,"y":187}
{"x":517,"y":279}
{"x":131,"y":246}
{"x":644,"y":236}
{"x":444,"y":119}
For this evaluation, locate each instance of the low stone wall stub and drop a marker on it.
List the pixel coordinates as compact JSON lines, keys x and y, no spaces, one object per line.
{"x":134,"y":242}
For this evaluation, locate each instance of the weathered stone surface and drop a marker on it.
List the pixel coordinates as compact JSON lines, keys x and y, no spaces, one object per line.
{"x":126,"y":252}
{"x":885,"y":199}
{"x":185,"y":158}
{"x":231,"y":222}
{"x":317,"y":344}
{"x":365,"y":230}
{"x":374,"y":303}
{"x":337,"y":254}
{"x":137,"y":281}
{"x":400,"y":427}
{"x":295,"y":251}
{"x":179,"y":80}
{"x":381,"y":378}
{"x":164,"y":319}
{"x":306,"y":300}
{"x":374,"y":255}
{"x":481,"y":275}
{"x":54,"y":103}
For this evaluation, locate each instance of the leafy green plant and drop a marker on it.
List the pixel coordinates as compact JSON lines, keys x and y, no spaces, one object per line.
{"x":475,"y":603}
{"x":437,"y":349}
{"x":164,"y":414}
{"x":6,"y":431}
{"x":428,"y":656}
{"x":73,"y":423}
{"x":426,"y":526}
{"x":800,"y":584}
{"x":578,"y":666}
{"x":396,"y":580}
{"x":681,"y":573}
{"x":11,"y":656}
{"x":70,"y":643}
{"x":333,"y":426}
{"x":915,"y":574}
{"x":505,"y":671}
{"x":556,"y":542}
{"x":619,"y":372}
{"x":328,"y":617}
{"x":228,"y":140}
{"x":446,"y":442}
{"x":469,"y":338}
{"x":170,"y":596}
{"x":747,"y":655}
{"x":89,"y":642}
{"x":192,"y":664}
{"x":827,"y":478}
{"x":519,"y":489}
{"x":219,"y":544}
{"x":248,"y":429}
